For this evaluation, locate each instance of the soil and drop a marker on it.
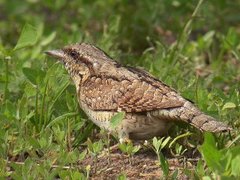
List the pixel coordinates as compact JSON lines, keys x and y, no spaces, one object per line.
{"x":143,"y":165}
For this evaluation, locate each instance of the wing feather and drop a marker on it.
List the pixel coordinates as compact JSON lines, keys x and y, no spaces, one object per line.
{"x":138,"y":95}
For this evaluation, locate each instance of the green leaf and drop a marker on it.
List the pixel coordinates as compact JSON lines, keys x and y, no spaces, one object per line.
{"x":82,"y":155}
{"x":178,"y":137}
{"x":97,"y":146}
{"x":136,"y":149}
{"x":82,"y":136}
{"x":48,"y":39}
{"x":77,"y":175}
{"x":175,"y":175}
{"x":200,"y":169}
{"x":207,"y":178}
{"x":210,"y":153}
{"x":28,"y":37}
{"x":123,"y":147}
{"x":229,"y":105}
{"x":236,"y":166}
{"x":122,"y":177}
{"x":208,"y":36}
{"x":164,"y":164}
{"x":60,"y":118}
{"x":116,"y":119}
{"x":33,"y":75}
{"x":164,"y":143}
{"x":156,"y":143}
{"x":59,"y":90}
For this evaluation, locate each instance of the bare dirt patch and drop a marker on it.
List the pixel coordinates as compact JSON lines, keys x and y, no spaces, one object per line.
{"x":143,"y":165}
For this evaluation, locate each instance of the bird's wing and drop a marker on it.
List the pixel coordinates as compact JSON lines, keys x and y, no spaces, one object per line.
{"x":138,"y":95}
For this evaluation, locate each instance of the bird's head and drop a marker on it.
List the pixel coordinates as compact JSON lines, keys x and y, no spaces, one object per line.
{"x":82,"y":60}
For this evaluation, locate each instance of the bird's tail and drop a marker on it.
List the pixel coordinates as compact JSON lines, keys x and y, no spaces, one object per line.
{"x":208,"y":123}
{"x":192,"y":115}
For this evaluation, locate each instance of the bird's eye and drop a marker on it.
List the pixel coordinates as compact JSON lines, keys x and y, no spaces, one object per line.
{"x":74,"y":54}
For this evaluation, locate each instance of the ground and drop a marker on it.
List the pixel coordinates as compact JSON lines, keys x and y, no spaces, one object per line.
{"x":143,"y":165}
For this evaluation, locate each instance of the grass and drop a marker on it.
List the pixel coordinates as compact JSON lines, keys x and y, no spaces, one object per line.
{"x":192,"y":46}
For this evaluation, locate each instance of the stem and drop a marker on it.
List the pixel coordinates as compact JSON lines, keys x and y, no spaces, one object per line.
{"x":36,"y":110}
{"x":185,"y":33}
{"x":6,"y":78}
{"x":158,"y":155}
{"x":69,"y":136}
{"x":196,"y":89}
{"x":43,"y":121}
{"x":108,"y":146}
{"x":187,"y":28}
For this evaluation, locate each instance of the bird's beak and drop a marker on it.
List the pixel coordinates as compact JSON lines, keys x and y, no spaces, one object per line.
{"x":59,"y":54}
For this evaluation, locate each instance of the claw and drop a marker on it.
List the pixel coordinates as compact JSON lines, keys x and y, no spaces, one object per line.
{"x":125,"y":140}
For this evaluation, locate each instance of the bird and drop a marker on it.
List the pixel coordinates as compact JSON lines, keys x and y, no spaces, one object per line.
{"x":105,"y":87}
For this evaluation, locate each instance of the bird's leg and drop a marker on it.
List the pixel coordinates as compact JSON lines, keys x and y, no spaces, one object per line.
{"x":123,"y":137}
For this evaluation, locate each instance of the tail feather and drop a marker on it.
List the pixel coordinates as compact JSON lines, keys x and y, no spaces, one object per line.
{"x":208,"y":123}
{"x":192,"y":115}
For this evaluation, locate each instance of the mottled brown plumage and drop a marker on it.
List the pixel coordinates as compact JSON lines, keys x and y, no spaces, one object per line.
{"x":105,"y":87}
